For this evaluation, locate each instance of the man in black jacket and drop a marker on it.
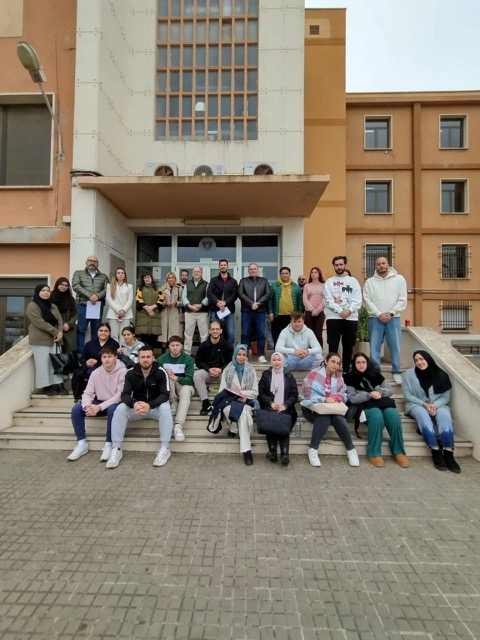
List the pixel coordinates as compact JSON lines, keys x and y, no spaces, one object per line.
{"x":212,"y":357}
{"x":145,"y":395}
{"x":254,"y":292}
{"x":222,"y":293}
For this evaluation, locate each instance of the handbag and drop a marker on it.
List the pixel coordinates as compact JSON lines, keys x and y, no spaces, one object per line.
{"x":273,"y":423}
{"x":380,"y":403}
{"x":64,"y":363}
{"x":328,"y":408}
{"x":126,"y":360}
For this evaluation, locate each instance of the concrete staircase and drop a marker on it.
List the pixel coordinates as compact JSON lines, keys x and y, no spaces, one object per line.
{"x":45,"y":424}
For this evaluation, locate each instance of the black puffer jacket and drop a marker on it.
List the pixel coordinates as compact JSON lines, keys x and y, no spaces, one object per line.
{"x":152,"y":389}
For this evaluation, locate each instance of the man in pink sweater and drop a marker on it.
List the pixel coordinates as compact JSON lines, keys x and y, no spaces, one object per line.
{"x":100,"y":398}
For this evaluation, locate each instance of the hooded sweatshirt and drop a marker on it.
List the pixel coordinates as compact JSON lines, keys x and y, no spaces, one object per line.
{"x":342,"y":293}
{"x":105,"y":386}
{"x":290,"y":340}
{"x":385,"y":295}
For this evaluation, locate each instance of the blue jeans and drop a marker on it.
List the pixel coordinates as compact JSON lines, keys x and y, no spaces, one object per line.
{"x":82,"y":325}
{"x":228,"y":325}
{"x":304,"y":364}
{"x":78,"y":420}
{"x":392,"y":332}
{"x":443,"y":418}
{"x":254,"y":320}
{"x":162,"y":414}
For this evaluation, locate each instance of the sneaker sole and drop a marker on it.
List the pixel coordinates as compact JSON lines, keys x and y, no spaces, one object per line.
{"x":164,"y":462}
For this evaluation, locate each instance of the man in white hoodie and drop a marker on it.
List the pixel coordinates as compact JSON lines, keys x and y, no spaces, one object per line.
{"x":299,"y":345}
{"x":385,"y":295}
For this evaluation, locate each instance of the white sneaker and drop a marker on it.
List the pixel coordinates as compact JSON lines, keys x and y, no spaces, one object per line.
{"x":178,"y":433}
{"x":114,"y":459}
{"x":352,"y":456}
{"x":397,"y":378}
{"x":262,"y":360}
{"x":80,"y":450}
{"x":313,"y":458}
{"x":106,"y":452}
{"x":162,"y":457}
{"x":174,"y":408}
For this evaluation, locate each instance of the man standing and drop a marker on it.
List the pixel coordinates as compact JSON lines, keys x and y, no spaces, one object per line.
{"x":254,"y":292}
{"x":179,"y":367}
{"x":100,"y":398}
{"x":299,"y":345}
{"x":184,"y":275}
{"x":302,"y":281}
{"x":212,"y":357}
{"x":195,"y":302}
{"x":222,"y":293}
{"x":385,"y":295}
{"x":90,"y":286}
{"x":285,"y":298}
{"x":343,"y":299}
{"x":144,"y":397}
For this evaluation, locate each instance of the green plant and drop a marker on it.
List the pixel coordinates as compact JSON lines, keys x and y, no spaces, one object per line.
{"x":362,"y":329}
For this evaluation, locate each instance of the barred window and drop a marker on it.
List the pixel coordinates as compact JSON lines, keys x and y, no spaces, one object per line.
{"x":455,"y":261}
{"x":374,"y":251}
{"x":455,"y":316}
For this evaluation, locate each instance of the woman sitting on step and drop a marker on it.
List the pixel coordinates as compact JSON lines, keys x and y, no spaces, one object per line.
{"x":426,"y":388}
{"x":367,"y":388}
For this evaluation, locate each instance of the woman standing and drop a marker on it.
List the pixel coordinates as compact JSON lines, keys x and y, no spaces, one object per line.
{"x":277,"y":391}
{"x":63,"y":299}
{"x":119,"y":299}
{"x":239,"y":376}
{"x":172,"y":301}
{"x":149,"y":301}
{"x":325,"y":385}
{"x":314,"y":303}
{"x":368,"y":388}
{"x":426,"y":389}
{"x":44,"y":333}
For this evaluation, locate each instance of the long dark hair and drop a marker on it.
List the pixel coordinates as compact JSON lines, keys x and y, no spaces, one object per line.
{"x":142,"y":284}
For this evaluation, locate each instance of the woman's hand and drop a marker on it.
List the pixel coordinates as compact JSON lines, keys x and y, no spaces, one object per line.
{"x":91,"y":362}
{"x":431,"y":408}
{"x":58,"y":337}
{"x":376,"y":395}
{"x":66,"y":327}
{"x":330,"y":399}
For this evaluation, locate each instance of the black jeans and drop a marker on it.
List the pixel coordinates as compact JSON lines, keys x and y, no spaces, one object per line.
{"x":278,"y":324}
{"x":320,"y":427}
{"x":346,"y":330}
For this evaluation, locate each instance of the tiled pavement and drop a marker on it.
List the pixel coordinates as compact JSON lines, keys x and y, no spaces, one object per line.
{"x":206,"y":548}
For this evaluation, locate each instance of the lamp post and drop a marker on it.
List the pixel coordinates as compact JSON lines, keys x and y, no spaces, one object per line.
{"x":29,"y":59}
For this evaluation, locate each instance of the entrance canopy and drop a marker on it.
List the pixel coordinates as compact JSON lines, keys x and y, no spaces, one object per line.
{"x":212,"y":197}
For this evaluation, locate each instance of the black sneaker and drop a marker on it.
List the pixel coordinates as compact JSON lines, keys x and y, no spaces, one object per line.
{"x":438,"y":460}
{"x":452,"y":464}
{"x":205,"y":407}
{"x":247,"y":456}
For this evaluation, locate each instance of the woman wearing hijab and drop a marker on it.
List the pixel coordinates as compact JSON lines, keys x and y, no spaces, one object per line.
{"x":239,"y":376}
{"x":63,"y":299}
{"x":426,"y":389}
{"x":277,"y":391}
{"x":367,"y":387}
{"x":44,"y":333}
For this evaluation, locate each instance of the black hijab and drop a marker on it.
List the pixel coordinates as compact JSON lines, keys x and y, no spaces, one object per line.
{"x":366,"y":381}
{"x":63,"y":299}
{"x":432,"y":376}
{"x":44,"y":305}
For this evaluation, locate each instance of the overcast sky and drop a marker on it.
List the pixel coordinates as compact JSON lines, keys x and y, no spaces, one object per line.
{"x":411,"y":45}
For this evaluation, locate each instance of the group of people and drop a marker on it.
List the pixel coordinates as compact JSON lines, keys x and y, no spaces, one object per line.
{"x":126,"y":383}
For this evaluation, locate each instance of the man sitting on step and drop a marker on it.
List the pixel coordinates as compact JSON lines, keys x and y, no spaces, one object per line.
{"x":212,"y":357}
{"x":299,"y":345}
{"x":100,"y":398}
{"x":179,"y":367}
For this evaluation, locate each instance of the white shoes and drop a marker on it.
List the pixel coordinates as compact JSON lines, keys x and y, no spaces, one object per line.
{"x":80,"y":450}
{"x":114,"y":459}
{"x":313,"y":458}
{"x":262,"y":360}
{"x":178,"y":433}
{"x":397,"y":378}
{"x":174,"y":408}
{"x":352,"y":456}
{"x":106,"y":452}
{"x":162,"y":457}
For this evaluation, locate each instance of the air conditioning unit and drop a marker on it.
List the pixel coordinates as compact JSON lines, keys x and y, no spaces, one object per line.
{"x":259,"y":168}
{"x":208,"y":170}
{"x":164,"y":169}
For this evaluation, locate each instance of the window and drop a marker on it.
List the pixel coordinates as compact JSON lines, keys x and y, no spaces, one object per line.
{"x":455,"y":316}
{"x":374,"y":251}
{"x":377,"y":133}
{"x":455,"y":262}
{"x":25,"y":145}
{"x":378,"y":197}
{"x":454,"y":196}
{"x":452,"y":132}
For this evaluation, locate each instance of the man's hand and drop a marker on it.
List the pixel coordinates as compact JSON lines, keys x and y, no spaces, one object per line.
{"x":93,"y":298}
{"x":221,"y":304}
{"x":171,"y":375}
{"x":141,"y":408}
{"x":345,"y":314}
{"x":301,"y":353}
{"x":215,"y":372}
{"x":270,"y":317}
{"x":384,"y":317}
{"x":254,"y":306}
{"x":92,"y":410}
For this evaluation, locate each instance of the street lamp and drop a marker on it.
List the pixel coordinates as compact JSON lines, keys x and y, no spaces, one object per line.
{"x":29,"y":59}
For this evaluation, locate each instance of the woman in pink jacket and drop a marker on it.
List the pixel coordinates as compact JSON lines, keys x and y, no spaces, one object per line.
{"x":314,"y":304}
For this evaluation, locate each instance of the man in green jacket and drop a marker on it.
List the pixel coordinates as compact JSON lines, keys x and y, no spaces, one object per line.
{"x":179,"y":367}
{"x":285,"y":298}
{"x":90,"y":286}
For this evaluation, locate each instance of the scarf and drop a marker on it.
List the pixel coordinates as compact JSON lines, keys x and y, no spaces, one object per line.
{"x":63,"y":299}
{"x":432,"y":376}
{"x":277,"y":385}
{"x":44,"y":305}
{"x":366,"y":381}
{"x":245,"y":372}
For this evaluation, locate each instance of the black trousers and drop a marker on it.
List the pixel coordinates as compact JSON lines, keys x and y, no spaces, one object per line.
{"x":278,"y":324}
{"x":345,"y":330}
{"x":320,"y":427}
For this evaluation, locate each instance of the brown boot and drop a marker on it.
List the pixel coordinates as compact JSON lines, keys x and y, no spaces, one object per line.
{"x":377,"y":461}
{"x":402,"y":460}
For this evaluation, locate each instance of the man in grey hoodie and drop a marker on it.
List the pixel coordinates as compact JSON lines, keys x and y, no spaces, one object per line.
{"x":299,"y":345}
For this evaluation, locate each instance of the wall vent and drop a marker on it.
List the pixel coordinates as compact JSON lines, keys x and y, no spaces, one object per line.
{"x":314,"y":29}
{"x":208,"y":170}
{"x":259,"y":168}
{"x":162,"y":169}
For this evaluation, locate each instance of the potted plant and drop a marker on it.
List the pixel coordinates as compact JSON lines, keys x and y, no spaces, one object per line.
{"x":362,"y":343}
